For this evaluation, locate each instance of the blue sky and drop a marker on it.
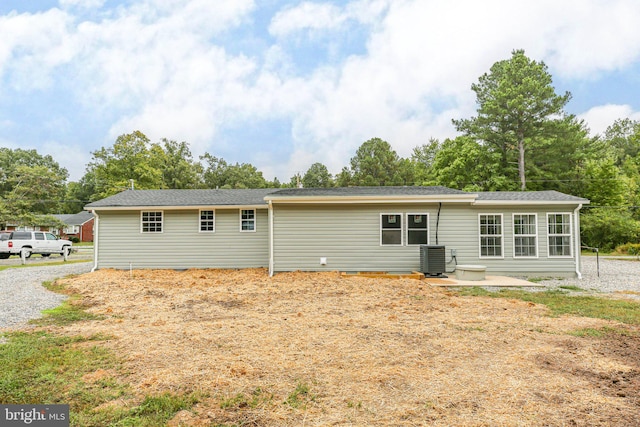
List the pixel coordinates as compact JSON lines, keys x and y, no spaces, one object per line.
{"x":284,"y":84}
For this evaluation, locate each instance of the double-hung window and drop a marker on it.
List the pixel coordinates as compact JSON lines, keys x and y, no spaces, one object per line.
{"x":525,"y":236}
{"x":490,"y":235}
{"x":391,"y":229}
{"x":247,"y":220}
{"x":559,"y":234}
{"x":151,"y":221}
{"x":207,"y":221}
{"x":417,"y":229}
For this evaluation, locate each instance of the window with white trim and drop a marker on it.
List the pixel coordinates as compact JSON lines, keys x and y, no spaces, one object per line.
{"x":490,"y":235}
{"x":417,"y":229}
{"x":525,"y":236}
{"x":207,"y":221}
{"x":391,"y":229}
{"x":247,"y":220}
{"x":151,"y":221}
{"x":559,"y":229}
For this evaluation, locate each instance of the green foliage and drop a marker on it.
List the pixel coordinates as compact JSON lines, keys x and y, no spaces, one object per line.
{"x":219,"y":174}
{"x":376,"y":164}
{"x":468,"y":165}
{"x":130,"y":158}
{"x":607,"y":228}
{"x":628,"y":249}
{"x":317,"y":176}
{"x":623,"y":137}
{"x":31,"y":185}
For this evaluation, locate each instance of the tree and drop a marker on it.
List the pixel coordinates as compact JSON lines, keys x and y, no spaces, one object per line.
{"x":463,"y":163}
{"x":130,"y":158}
{"x":375,"y":164}
{"x":422,"y":158}
{"x":517,"y":107}
{"x":31,"y":187}
{"x":177,"y":165}
{"x":317,"y":176}
{"x":219,"y":174}
{"x":623,"y":137}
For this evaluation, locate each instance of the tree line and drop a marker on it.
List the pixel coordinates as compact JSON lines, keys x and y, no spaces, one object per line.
{"x":520,"y":139}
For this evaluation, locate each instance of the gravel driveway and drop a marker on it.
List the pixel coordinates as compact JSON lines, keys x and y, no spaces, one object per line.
{"x":619,"y":276}
{"x":22,"y":296}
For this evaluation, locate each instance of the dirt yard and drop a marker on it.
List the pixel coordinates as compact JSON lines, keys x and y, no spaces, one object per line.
{"x":318,"y":349}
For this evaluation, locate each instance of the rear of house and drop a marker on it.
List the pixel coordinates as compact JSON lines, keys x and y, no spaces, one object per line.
{"x":345,"y":229}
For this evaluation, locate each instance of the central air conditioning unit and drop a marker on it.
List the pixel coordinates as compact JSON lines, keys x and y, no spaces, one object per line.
{"x":432,"y":260}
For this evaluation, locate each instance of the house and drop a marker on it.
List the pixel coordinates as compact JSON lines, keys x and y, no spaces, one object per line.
{"x":346,"y":229}
{"x":78,"y":226}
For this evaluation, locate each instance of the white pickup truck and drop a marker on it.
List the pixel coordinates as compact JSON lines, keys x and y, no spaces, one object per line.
{"x":31,"y":242}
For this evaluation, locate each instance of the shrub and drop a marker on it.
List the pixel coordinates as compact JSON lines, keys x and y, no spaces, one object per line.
{"x":629,"y":249}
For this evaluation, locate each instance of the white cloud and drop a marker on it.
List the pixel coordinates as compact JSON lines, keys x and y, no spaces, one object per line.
{"x":161,"y":66}
{"x":599,"y":118}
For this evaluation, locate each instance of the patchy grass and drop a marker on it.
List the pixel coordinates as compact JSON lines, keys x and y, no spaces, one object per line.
{"x":41,"y":367}
{"x":571,"y":288}
{"x":560,"y":303}
{"x":43,"y":263}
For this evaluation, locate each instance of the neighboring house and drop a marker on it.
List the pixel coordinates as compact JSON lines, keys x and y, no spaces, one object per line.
{"x":346,"y":229}
{"x":78,"y":225}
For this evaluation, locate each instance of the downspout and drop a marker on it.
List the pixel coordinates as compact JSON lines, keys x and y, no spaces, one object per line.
{"x":96,"y":227}
{"x":576,"y":221}
{"x":270,"y":238}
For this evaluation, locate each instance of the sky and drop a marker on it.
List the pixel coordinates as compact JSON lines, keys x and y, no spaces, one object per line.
{"x":282,"y":84}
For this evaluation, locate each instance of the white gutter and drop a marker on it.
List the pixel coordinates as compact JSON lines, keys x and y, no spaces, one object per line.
{"x":96,"y":227}
{"x":578,"y":249}
{"x":270,"y":238}
{"x":180,"y":208}
{"x":404,"y":199}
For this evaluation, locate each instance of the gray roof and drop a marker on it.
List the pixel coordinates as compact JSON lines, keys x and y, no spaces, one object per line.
{"x":529,"y":196}
{"x":160,"y":198}
{"x":75,"y":219}
{"x":367,"y":191}
{"x":256,"y":197}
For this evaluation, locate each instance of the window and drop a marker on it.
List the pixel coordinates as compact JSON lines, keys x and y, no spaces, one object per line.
{"x":559,"y":234}
{"x":417,"y":229}
{"x":525,"y":236}
{"x":50,"y":236}
{"x":490,"y":235}
{"x":391,"y":229}
{"x":38,"y":236}
{"x":151,"y":222}
{"x":207,"y":221}
{"x":247,"y":220}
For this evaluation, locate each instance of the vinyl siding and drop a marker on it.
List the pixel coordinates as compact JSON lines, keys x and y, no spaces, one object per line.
{"x":181,"y":245}
{"x":349,"y":238}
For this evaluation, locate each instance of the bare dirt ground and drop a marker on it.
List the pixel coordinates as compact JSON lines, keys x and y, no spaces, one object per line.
{"x":317,"y":349}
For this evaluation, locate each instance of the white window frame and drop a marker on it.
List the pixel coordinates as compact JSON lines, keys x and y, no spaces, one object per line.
{"x":569,"y":234}
{"x":501,"y":236}
{"x":142,"y":222}
{"x":401,"y":229}
{"x":534,"y":235}
{"x":408,"y":229}
{"x":248,"y":220}
{"x":201,"y":221}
